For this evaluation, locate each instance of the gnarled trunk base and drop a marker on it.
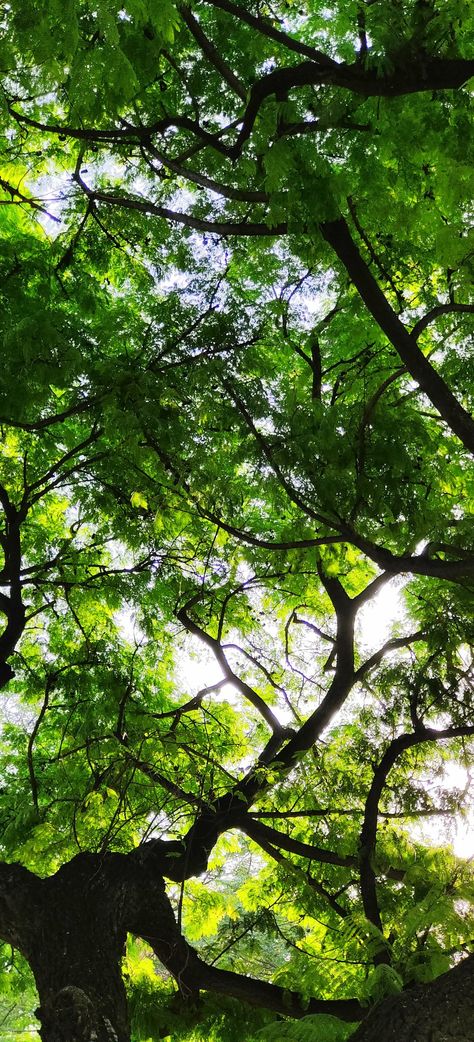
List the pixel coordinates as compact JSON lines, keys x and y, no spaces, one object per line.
{"x":75,"y":950}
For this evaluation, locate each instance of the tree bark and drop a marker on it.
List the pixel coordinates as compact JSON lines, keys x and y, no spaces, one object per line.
{"x":442,"y":1011}
{"x":75,"y":952}
{"x":72,"y":927}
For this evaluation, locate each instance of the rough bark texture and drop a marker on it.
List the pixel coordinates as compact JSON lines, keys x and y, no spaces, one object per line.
{"x":75,"y":953}
{"x":72,"y":926}
{"x":442,"y":1011}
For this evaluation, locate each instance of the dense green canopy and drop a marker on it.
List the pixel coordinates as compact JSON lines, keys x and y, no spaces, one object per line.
{"x":236,"y":493}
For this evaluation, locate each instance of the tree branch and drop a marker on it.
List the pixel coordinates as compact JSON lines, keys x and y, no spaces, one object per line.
{"x":252,"y":696}
{"x":313,"y":883}
{"x":211,"y":52}
{"x":440,"y":309}
{"x":12,"y":606}
{"x":369,"y":827}
{"x":340,"y":686}
{"x":390,"y":645}
{"x":239,"y":228}
{"x":266,"y":836}
{"x":418,"y":564}
{"x":149,"y":915}
{"x":338,"y":236}
{"x":265,"y":27}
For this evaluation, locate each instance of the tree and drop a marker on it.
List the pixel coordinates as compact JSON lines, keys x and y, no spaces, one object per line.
{"x":235,"y":409}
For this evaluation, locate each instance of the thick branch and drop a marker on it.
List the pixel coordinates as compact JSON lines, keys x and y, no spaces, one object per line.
{"x":267,"y":837}
{"x":19,"y":892}
{"x":265,"y":27}
{"x":211,"y":52}
{"x":342,"y":682}
{"x":241,"y":195}
{"x":239,"y":228}
{"x":264,"y":834}
{"x":196,"y":974}
{"x":315,"y":885}
{"x":369,"y":827}
{"x":12,"y":606}
{"x":337,"y":234}
{"x":417,"y":565}
{"x":114,"y":135}
{"x":150,"y":916}
{"x":428,"y":75}
{"x":48,"y":421}
{"x":422,"y":73}
{"x":390,"y":645}
{"x":440,"y":309}
{"x":442,"y":1009}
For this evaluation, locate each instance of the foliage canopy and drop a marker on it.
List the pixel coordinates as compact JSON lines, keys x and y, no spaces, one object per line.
{"x":235,"y":411}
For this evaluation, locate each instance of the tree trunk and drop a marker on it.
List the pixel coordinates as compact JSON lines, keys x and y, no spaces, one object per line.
{"x":442,"y":1011}
{"x":72,"y":927}
{"x":75,"y":950}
